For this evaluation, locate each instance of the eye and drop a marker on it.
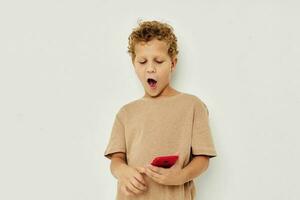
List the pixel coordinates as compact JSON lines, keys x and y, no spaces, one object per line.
{"x":156,"y":61}
{"x":142,"y":61}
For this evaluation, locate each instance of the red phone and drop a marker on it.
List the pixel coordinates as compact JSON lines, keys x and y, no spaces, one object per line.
{"x":165,"y":161}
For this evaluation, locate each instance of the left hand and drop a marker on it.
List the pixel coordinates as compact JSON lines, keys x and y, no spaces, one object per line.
{"x":165,"y":176}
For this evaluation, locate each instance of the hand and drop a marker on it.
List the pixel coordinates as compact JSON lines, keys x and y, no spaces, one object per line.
{"x":165,"y":176}
{"x":131,"y":181}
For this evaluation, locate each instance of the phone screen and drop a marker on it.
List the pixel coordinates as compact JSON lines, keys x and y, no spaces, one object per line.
{"x":165,"y":161}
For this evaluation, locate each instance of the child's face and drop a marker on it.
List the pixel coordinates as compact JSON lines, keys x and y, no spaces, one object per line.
{"x":153,"y":61}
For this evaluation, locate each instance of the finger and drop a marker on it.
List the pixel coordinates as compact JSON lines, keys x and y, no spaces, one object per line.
{"x":158,"y":170}
{"x":133,"y":188}
{"x":158,"y":180}
{"x":141,"y":169}
{"x":139,"y":185}
{"x":153,"y":174}
{"x":175,"y":165}
{"x":126,"y":191}
{"x":140,"y":178}
{"x":177,"y":161}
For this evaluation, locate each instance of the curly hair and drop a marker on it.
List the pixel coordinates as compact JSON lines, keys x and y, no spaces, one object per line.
{"x":149,"y":30}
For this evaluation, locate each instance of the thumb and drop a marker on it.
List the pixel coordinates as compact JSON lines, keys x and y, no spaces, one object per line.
{"x":141,"y":169}
{"x":176,"y":164}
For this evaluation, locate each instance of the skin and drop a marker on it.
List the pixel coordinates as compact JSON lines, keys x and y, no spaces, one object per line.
{"x":152,"y":60}
{"x":131,"y":179}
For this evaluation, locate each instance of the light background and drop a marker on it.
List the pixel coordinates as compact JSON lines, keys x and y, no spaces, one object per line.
{"x":65,"y":71}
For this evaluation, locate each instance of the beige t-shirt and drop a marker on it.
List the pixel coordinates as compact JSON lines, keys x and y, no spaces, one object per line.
{"x":146,"y":128}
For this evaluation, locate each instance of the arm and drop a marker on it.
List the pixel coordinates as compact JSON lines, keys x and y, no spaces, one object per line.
{"x":176,"y":175}
{"x":130,"y":179}
{"x":196,"y":167}
{"x":118,"y":161}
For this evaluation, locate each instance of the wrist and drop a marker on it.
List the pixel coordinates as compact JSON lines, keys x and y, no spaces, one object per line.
{"x":117,"y":168}
{"x":120,"y":170}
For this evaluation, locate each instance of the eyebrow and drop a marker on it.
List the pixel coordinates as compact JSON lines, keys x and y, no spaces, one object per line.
{"x":154,"y":57}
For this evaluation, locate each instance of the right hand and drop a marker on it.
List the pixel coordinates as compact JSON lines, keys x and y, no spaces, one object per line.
{"x":132,"y":181}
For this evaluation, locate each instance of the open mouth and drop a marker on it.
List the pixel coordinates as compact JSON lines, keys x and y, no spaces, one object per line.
{"x":151,"y":82}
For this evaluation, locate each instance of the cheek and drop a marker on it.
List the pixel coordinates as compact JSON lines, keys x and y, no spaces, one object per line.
{"x":140,"y":74}
{"x":165,"y":73}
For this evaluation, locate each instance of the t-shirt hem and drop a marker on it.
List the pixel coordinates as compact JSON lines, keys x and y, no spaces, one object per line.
{"x":108,"y":153}
{"x":210,"y":154}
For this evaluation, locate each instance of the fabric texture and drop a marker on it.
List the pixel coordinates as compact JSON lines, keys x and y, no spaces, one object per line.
{"x":146,"y":128}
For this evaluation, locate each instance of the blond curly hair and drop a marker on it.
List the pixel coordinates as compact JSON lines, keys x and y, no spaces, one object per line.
{"x":148,"y":30}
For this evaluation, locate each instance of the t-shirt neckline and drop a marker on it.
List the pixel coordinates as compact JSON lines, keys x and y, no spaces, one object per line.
{"x":162,"y":98}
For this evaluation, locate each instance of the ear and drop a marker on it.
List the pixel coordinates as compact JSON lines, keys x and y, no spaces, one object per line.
{"x":174,"y":62}
{"x":133,"y":59}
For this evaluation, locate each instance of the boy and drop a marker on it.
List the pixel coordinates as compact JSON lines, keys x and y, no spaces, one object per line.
{"x":162,"y":122}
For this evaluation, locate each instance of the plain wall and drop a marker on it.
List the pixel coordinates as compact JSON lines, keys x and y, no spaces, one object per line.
{"x":65,"y":72}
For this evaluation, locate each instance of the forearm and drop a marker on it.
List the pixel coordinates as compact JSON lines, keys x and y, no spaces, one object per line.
{"x":196,"y":167}
{"x":116,"y":165}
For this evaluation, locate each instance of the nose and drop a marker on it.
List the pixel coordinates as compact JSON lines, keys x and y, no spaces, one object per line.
{"x":150,"y":68}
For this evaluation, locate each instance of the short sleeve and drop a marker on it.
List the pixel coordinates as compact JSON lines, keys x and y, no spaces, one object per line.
{"x":116,"y":142}
{"x":202,"y":141}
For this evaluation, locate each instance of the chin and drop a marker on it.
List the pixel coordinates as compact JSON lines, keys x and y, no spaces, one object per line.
{"x":153,"y":93}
